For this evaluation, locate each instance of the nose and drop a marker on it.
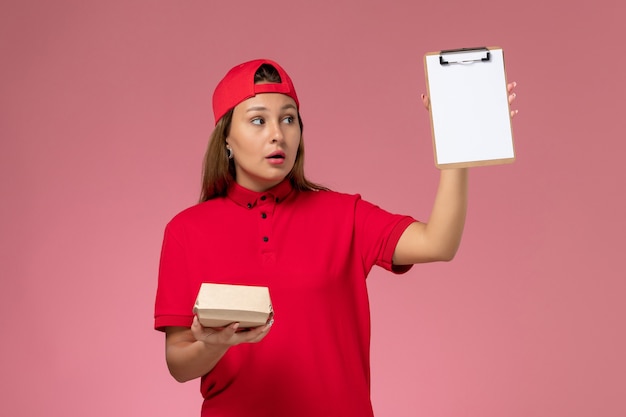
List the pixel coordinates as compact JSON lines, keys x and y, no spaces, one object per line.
{"x":276,"y":132}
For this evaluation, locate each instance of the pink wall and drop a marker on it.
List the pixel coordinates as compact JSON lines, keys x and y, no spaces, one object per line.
{"x":105,"y":114}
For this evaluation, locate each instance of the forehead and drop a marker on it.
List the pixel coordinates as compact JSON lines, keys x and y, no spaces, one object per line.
{"x":267,"y":101}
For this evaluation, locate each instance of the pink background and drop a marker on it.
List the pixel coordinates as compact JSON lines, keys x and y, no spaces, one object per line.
{"x":104,"y":117}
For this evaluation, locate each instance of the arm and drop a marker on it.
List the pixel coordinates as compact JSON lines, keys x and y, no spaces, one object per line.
{"x":193,"y":352}
{"x":439,"y":239}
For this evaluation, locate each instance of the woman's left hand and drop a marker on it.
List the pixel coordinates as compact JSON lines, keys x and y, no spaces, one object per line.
{"x":510,"y":87}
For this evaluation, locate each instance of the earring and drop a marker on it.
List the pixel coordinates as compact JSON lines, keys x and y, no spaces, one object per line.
{"x":229,"y":152}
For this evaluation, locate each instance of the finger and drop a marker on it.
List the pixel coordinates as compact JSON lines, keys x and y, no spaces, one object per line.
{"x":512,"y":96}
{"x":227,"y":333}
{"x":258,"y":333}
{"x":255,"y":338}
{"x":426,"y":101}
{"x":511,"y":86}
{"x":219,"y":336}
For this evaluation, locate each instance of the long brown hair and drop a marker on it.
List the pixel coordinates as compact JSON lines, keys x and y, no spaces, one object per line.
{"x":218,"y":172}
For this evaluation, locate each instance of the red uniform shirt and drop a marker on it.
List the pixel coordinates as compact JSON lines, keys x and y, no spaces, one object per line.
{"x":313,"y":250}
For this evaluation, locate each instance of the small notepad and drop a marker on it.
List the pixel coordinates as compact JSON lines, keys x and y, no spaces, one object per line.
{"x":469,"y":107}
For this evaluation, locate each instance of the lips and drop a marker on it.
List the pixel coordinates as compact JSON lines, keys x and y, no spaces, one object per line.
{"x":278,"y":155}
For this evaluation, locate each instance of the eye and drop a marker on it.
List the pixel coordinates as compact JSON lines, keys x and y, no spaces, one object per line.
{"x":289,"y":119}
{"x":257,"y":121}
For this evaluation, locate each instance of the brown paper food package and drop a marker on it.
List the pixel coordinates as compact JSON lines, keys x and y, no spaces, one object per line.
{"x":218,"y":305}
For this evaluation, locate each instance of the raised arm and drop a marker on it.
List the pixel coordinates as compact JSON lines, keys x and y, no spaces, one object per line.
{"x":440,"y":237}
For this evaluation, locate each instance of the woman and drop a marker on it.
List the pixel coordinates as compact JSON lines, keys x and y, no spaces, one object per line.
{"x":261,"y":222}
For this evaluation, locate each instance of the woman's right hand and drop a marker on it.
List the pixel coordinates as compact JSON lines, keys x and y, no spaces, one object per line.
{"x":229,"y":335}
{"x":193,"y":352}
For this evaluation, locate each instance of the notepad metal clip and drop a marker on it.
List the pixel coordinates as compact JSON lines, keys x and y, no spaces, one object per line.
{"x":464,"y":56}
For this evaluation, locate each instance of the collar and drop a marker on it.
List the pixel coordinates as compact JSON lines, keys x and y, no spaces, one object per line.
{"x":248,"y":198}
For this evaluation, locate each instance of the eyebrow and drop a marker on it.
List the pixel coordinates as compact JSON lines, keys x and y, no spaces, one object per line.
{"x":262,"y":108}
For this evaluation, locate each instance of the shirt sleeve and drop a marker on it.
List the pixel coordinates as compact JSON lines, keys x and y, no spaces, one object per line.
{"x":378,"y":232}
{"x":174,"y":297}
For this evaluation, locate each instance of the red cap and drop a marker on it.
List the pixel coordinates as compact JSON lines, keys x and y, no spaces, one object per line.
{"x":238,"y":85}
